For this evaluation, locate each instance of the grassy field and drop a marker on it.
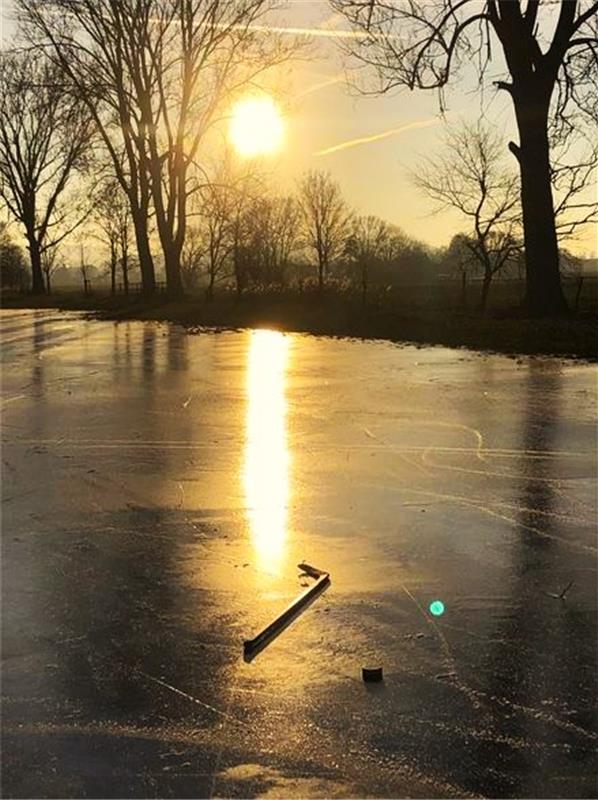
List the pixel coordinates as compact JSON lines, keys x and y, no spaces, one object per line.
{"x":420,"y":314}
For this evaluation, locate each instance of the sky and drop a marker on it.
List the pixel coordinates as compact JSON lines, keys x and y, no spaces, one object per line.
{"x":324,"y":111}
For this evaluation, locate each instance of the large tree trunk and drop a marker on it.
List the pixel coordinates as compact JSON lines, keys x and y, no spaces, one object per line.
{"x":172,"y":265}
{"x":543,"y":293}
{"x":146,"y":262}
{"x":38,"y":285}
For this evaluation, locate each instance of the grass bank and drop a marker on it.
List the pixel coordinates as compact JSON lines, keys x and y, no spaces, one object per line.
{"x":409,"y":319}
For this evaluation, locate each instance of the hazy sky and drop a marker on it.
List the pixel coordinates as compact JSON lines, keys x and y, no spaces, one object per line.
{"x":323,"y":112}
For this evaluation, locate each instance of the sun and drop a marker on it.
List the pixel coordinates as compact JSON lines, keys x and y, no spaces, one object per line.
{"x":256,"y":126}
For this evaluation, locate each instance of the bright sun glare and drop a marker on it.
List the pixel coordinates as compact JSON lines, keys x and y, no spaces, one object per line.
{"x":256,"y":126}
{"x":267,"y":458}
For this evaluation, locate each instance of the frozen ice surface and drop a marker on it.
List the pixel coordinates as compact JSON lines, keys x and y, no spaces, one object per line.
{"x":159,"y":489}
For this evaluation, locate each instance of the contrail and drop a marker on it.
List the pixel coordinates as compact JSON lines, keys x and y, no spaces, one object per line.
{"x":328,"y":33}
{"x":321,"y":85}
{"x":425,"y":123}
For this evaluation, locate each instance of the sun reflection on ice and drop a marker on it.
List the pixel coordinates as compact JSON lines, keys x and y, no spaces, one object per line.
{"x":267,"y":460}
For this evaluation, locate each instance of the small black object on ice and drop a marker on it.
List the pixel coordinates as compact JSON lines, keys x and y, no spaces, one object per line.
{"x":371,"y":675}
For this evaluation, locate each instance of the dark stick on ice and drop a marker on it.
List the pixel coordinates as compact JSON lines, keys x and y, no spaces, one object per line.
{"x":252,"y":647}
{"x":565,"y":590}
{"x":561,"y":596}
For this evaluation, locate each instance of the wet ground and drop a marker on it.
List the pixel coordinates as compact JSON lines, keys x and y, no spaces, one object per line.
{"x":160,"y":488}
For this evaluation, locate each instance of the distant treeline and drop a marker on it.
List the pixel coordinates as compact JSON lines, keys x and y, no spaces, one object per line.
{"x":267,"y":249}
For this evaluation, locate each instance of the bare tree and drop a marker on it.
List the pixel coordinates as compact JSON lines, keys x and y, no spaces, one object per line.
{"x":50,"y":263}
{"x":112,"y":216}
{"x":245,"y":192}
{"x":216,"y":223}
{"x":192,"y":258}
{"x":271,"y":237}
{"x":471,"y":177}
{"x":85,"y":270}
{"x":572,"y":267}
{"x":202,"y":54}
{"x":90,"y":46}
{"x":461,"y":261}
{"x":574,"y":182}
{"x":44,"y":144}
{"x":325,"y":217}
{"x":284,"y":233}
{"x":552,"y":66}
{"x":367,"y":243}
{"x":13,"y":274}
{"x":161,"y":70}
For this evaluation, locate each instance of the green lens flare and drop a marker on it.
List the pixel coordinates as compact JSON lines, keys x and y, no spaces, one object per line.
{"x":437,"y":608}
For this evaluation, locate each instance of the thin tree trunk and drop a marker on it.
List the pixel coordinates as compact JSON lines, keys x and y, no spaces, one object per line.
{"x":125,"y":267}
{"x":543,"y":293}
{"x":238,"y":276}
{"x":112,"y":268}
{"x":464,"y":289}
{"x":210,"y":289}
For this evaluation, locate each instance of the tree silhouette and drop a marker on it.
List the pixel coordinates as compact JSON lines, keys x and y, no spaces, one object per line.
{"x":470,"y":177}
{"x":44,"y":141}
{"x":552,"y":65}
{"x":367,"y":243}
{"x":156,"y":75}
{"x":112,"y":216}
{"x":13,"y":274}
{"x":326,"y":219}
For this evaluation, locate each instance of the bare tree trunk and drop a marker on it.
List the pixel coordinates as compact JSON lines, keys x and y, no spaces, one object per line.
{"x":485,"y":290}
{"x":210,"y":289}
{"x":543,"y":295}
{"x":320,"y":275}
{"x":113,"y":260}
{"x":322,"y":271}
{"x":48,"y":283}
{"x":125,"y":265}
{"x":172,"y":265}
{"x":38,"y":285}
{"x":238,"y":275}
{"x":146,"y":262}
